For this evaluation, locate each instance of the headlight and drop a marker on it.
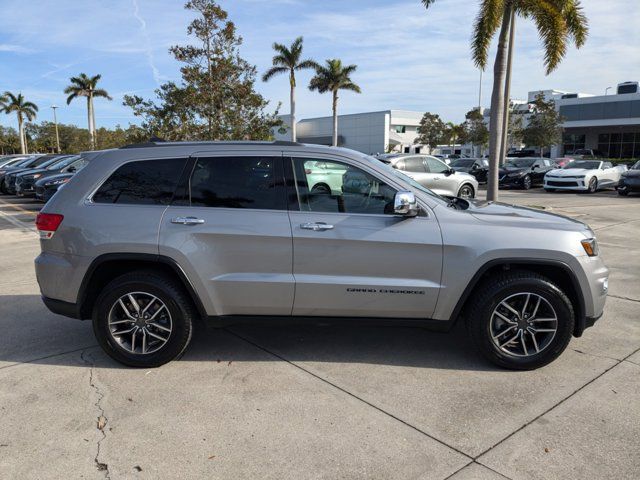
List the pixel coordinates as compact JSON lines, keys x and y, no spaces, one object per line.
{"x":58,"y":182}
{"x":36,"y":175}
{"x":590,"y":246}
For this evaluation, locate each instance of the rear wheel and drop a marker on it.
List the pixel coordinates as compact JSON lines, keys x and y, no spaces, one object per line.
{"x":550,"y":190}
{"x":623,"y":193}
{"x":466,"y":191}
{"x":143,"y":319}
{"x":520,"y":320}
{"x":593,"y":185}
{"x":321,"y":189}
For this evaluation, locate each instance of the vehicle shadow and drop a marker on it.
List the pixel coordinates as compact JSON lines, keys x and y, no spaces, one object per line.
{"x":39,"y":337}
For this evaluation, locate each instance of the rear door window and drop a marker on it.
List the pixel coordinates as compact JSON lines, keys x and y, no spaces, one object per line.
{"x":415,"y":165}
{"x":436,"y":166}
{"x":253,"y":182}
{"x":144,"y":182}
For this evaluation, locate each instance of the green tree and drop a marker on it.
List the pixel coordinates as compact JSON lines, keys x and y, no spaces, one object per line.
{"x":557,"y":22}
{"x":216,"y":98}
{"x":453,"y":133}
{"x":85,"y":86}
{"x":545,"y":124}
{"x":516,"y":127}
{"x":23,"y":109}
{"x":431,"y":131}
{"x":333,"y":77}
{"x":9,"y":140}
{"x":475,"y":130}
{"x":288,"y":60}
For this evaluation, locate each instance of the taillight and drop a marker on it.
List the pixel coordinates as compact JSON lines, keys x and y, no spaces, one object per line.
{"x":47,"y":224}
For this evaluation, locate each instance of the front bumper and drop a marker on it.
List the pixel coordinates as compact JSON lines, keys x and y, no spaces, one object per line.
{"x":595,"y":287}
{"x":565,"y":184}
{"x":506,"y":181}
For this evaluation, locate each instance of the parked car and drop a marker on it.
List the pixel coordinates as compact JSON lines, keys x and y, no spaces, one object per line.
{"x":513,"y":153}
{"x":478,"y":167}
{"x":8,"y":185}
{"x":524,"y":172}
{"x":584,"y":175}
{"x":46,"y":186}
{"x":562,"y":161}
{"x":10,"y":160}
{"x":630,"y":180}
{"x":14,"y":166}
{"x":148,"y":239}
{"x":434,"y":174}
{"x":25,"y":181}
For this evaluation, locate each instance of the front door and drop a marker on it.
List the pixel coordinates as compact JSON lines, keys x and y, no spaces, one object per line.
{"x":354,"y":257}
{"x":229,"y":230}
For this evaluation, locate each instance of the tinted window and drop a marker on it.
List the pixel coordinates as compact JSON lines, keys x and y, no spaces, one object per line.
{"x":147,"y":182}
{"x":436,"y":166}
{"x":238,"y":182}
{"x":463,"y":162}
{"x":414,"y":164}
{"x":347,"y":190}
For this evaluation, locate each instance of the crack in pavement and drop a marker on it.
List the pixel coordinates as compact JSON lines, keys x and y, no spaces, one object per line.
{"x":33,"y":360}
{"x":617,"y":362}
{"x":620,"y":297}
{"x":102,"y":419}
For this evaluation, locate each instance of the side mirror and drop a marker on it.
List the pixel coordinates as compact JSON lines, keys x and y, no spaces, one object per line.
{"x":451,"y":171}
{"x":534,"y":167}
{"x":405,"y":203}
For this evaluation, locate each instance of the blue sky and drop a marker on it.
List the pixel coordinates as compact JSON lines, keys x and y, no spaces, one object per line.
{"x":407,"y":58}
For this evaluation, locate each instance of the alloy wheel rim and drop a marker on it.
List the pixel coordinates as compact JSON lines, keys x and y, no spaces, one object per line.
{"x":140,"y":323}
{"x":527,"y":182}
{"x":523,"y":324}
{"x":465,"y":192}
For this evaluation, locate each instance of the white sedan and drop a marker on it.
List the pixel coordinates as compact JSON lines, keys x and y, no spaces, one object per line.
{"x":584,"y":175}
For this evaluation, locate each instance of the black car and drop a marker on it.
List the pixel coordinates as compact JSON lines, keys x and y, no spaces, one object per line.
{"x":25,"y":181}
{"x":630,"y":180}
{"x":8,"y":184}
{"x":524,"y":172}
{"x":13,"y":166}
{"x":478,"y":167}
{"x":46,"y":186}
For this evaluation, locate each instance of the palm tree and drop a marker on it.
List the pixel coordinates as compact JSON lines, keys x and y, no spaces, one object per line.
{"x":288,"y":61}
{"x":85,"y":86}
{"x":331,"y":78}
{"x":557,"y":21}
{"x":23,"y":109}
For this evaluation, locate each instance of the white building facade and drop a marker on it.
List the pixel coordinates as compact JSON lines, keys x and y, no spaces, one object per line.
{"x":369,"y":132}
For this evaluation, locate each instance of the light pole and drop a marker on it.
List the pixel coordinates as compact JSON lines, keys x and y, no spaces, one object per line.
{"x":55,"y":122}
{"x":606,"y":90}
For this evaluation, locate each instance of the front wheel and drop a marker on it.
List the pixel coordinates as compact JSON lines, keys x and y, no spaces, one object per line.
{"x":623,"y":193}
{"x":143,"y":319}
{"x":526,"y":182}
{"x":593,"y":185}
{"x":466,"y":191}
{"x":520,"y":320}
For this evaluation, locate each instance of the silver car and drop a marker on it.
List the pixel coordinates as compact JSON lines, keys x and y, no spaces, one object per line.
{"x":149,"y":239}
{"x":433,"y":173}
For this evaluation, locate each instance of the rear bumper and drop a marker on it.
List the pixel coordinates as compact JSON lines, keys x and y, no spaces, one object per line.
{"x":59,"y":307}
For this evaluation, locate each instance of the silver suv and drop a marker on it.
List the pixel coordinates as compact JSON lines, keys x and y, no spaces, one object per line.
{"x":146,"y":240}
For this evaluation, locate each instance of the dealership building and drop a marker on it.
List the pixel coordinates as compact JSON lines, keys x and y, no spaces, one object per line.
{"x":609,"y":123}
{"x":369,"y":132}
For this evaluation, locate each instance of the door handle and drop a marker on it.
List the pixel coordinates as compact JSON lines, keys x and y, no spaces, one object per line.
{"x":187,"y":220}
{"x":316,"y":227}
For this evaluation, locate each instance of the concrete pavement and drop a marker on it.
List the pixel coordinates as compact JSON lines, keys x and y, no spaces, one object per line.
{"x":321,"y":402}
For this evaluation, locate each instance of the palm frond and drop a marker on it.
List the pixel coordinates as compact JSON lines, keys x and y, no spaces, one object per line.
{"x":552,"y":30}
{"x":305,"y":64}
{"x":272,"y":72}
{"x":428,"y":3}
{"x":101,"y":92}
{"x":486,"y":23}
{"x":577,"y":23}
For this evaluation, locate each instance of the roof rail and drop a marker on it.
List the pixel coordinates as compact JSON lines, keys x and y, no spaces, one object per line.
{"x":162,"y":143}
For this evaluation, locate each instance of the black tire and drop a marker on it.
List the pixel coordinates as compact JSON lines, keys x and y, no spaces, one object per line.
{"x":3,"y":188}
{"x":177,"y":301}
{"x":623,"y":193}
{"x":550,"y":190}
{"x":526,"y":182}
{"x":593,"y":185}
{"x":480,"y":311}
{"x":466,"y":188}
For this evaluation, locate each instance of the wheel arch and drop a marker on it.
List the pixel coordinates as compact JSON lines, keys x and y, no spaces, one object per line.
{"x":111,"y":265}
{"x":557,"y":271}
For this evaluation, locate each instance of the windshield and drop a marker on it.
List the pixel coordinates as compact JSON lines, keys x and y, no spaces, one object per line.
{"x":405,"y":178}
{"x":62,"y":162}
{"x":463,"y":162}
{"x":520,"y":162}
{"x":636,"y":166}
{"x":588,"y":164}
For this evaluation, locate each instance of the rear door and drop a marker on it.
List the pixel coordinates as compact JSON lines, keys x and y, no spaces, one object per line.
{"x":352,"y":256}
{"x":229,"y":229}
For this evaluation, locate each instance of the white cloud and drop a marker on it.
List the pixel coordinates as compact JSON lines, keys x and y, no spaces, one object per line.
{"x":148,"y":50}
